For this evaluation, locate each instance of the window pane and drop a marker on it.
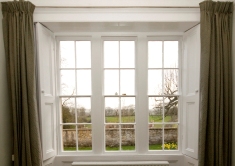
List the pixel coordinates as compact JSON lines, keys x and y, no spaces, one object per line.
{"x":84,"y":137}
{"x":69,"y":137}
{"x":112,"y":137}
{"x":83,"y":53}
{"x":128,"y":109}
{"x":83,"y":110}
{"x":155,"y":82}
{"x":128,"y":137}
{"x":171,"y":109}
{"x":171,"y":137}
{"x":155,"y":54}
{"x":68,"y":110}
{"x":67,"y":82}
{"x":127,"y":82}
{"x":171,"y":82}
{"x":84,"y":82}
{"x":155,"y":137}
{"x":111,"y":82}
{"x":171,"y":54}
{"x":111,"y":54}
{"x":155,"y":110}
{"x":67,"y":54}
{"x":112,"y":110}
{"x":127,"y":54}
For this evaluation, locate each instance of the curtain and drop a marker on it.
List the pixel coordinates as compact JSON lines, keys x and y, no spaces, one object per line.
{"x":215,"y":140}
{"x":18,"y":33}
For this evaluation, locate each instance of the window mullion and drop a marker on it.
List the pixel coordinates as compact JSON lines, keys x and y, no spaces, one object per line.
{"x":141,"y":95}
{"x":96,"y":99}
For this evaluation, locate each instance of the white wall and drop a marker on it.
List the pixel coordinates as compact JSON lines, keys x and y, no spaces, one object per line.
{"x":118,"y":3}
{"x":5,"y":112}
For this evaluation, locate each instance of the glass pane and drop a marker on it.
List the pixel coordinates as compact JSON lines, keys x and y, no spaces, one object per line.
{"x":155,"y":138}
{"x":171,"y":137}
{"x":128,"y":137}
{"x":155,"y":110}
{"x":67,"y":54}
{"x":111,"y":82}
{"x":83,"y":53}
{"x":68,"y":110}
{"x":171,"y":54}
{"x":171,"y":82}
{"x":83,"y":82}
{"x":84,"y":137}
{"x":127,"y":54}
{"x":112,"y":110}
{"x":68,"y":82}
{"x":112,"y":137}
{"x":128,"y":109}
{"x":171,"y":109}
{"x":127,"y":82}
{"x":111,"y":54}
{"x":69,"y":137}
{"x":83,"y":110}
{"x":155,"y":82}
{"x":155,"y":54}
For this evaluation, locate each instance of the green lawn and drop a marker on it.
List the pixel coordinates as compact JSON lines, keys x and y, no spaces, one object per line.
{"x":130,"y":119}
{"x":151,"y":147}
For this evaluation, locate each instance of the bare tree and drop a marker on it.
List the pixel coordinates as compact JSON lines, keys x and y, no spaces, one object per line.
{"x":170,"y":102}
{"x":68,"y":112}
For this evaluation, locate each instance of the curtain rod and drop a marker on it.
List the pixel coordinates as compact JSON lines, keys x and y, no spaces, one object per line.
{"x":187,"y":7}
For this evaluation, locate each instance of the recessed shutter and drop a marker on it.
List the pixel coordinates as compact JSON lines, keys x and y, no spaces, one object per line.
{"x":190,"y":91}
{"x":46,"y":76}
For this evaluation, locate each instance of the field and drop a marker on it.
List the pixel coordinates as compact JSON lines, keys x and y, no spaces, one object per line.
{"x":151,"y":147}
{"x":131,"y":119}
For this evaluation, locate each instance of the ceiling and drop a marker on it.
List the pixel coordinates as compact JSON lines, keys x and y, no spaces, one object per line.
{"x":58,"y":27}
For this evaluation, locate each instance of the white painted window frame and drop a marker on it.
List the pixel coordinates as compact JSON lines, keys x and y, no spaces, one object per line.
{"x":97,"y":97}
{"x":153,"y":13}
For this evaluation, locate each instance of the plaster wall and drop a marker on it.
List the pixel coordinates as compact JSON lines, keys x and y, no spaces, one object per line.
{"x":118,"y":3}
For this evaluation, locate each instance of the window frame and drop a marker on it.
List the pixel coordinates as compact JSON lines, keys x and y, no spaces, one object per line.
{"x":118,"y":38}
{"x":97,"y":45}
{"x":180,"y":103}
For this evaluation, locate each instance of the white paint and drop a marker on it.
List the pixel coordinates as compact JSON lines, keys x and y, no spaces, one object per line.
{"x":89,"y":27}
{"x":120,"y":163}
{"x":46,"y":61}
{"x":188,"y":161}
{"x":116,"y":15}
{"x":174,"y":160}
{"x":6,"y":140}
{"x":190,"y":86}
{"x":118,"y":3}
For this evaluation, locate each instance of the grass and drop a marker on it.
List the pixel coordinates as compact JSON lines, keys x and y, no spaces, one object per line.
{"x":151,"y":147}
{"x":74,"y":148}
{"x":124,"y":119}
{"x":130,"y":119}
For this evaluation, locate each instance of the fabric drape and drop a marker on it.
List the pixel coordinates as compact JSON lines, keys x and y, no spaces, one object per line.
{"x":18,"y":33}
{"x":215,"y":141}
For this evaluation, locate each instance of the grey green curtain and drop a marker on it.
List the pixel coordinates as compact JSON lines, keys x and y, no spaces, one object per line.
{"x":18,"y":33}
{"x":215,"y":139}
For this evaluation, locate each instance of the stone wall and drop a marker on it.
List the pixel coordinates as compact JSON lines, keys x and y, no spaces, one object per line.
{"x":112,"y":136}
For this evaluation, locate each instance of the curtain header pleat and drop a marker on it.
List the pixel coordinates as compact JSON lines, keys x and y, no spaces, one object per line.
{"x":217,"y":7}
{"x":13,"y":7}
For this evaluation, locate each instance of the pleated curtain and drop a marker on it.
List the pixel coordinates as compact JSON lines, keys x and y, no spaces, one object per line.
{"x":215,"y":129}
{"x":19,"y":44}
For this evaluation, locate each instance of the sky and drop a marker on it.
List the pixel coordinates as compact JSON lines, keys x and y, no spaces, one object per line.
{"x":117,"y":54}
